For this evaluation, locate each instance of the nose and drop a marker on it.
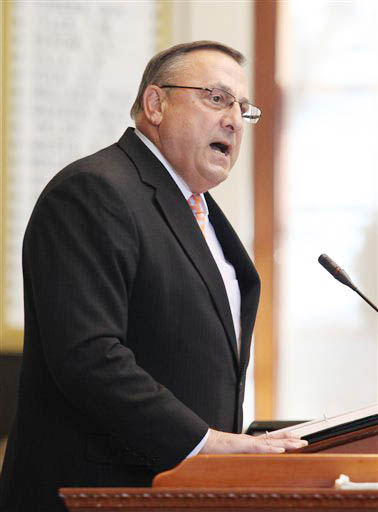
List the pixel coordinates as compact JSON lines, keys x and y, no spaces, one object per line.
{"x":232,"y":118}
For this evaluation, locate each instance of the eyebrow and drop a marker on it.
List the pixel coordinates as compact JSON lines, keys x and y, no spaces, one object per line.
{"x":226,"y":88}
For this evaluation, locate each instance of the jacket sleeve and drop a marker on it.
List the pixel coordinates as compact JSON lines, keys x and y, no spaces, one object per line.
{"x":81,"y":252}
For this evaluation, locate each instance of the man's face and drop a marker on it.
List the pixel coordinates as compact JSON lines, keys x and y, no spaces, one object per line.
{"x":201,"y":142}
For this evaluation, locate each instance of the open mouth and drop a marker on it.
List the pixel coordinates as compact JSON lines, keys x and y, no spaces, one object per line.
{"x":219,"y":146}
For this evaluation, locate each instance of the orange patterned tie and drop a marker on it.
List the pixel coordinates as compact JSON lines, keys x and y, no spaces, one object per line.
{"x":195,"y":204}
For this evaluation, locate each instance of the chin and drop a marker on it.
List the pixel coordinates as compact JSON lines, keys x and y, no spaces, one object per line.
{"x":216,"y":178}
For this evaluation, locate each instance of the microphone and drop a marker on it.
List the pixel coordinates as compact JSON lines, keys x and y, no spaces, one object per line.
{"x":340,"y":274}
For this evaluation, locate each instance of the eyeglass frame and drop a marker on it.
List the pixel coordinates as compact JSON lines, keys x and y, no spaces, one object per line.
{"x":248,"y":119}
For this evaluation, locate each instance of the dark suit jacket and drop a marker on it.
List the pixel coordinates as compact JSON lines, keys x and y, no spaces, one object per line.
{"x":130,"y":351}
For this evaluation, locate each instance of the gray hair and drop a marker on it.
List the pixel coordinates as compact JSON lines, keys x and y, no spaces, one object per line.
{"x":163,"y":65}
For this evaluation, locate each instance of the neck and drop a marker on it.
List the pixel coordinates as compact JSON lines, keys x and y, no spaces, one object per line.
{"x":149,"y":131}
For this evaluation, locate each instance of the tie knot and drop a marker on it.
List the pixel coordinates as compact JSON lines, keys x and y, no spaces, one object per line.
{"x":195,"y":204}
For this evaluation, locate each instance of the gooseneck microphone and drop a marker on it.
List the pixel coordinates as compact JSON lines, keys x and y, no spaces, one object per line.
{"x":340,"y":274}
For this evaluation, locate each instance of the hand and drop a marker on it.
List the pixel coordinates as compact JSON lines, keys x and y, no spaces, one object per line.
{"x":223,"y":442}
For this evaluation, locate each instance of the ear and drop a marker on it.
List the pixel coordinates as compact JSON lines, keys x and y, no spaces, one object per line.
{"x":153,"y":104}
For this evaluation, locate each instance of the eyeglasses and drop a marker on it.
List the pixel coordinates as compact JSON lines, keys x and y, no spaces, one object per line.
{"x":220,"y":99}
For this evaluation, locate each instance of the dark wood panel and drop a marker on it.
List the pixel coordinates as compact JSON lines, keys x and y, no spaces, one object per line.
{"x":10,"y":365}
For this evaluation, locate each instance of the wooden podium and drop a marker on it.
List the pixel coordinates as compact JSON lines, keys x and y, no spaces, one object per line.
{"x":298,"y":481}
{"x":295,"y":482}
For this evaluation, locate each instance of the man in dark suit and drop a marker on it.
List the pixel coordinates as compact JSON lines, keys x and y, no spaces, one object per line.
{"x":138,"y":311}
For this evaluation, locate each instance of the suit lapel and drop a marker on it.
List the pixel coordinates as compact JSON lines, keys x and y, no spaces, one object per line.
{"x":248,"y":278}
{"x":180,"y":218}
{"x":185,"y":227}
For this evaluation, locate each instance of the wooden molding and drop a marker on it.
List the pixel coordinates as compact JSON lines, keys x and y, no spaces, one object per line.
{"x":87,"y":500}
{"x":233,"y":499}
{"x":264,"y":156}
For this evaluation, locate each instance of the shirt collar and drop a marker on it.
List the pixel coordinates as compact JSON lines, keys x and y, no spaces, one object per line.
{"x":176,"y":177}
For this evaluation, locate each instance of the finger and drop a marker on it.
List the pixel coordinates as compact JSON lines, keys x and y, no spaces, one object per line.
{"x":288,"y":443}
{"x":283,"y":435}
{"x":265,"y":447}
{"x":281,"y":438}
{"x":294,"y":444}
{"x":291,"y":443}
{"x":264,"y":444}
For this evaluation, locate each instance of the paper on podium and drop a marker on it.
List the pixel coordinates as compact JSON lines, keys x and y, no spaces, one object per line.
{"x":328,"y":427}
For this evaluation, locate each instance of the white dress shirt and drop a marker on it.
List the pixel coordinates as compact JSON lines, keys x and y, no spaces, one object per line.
{"x":226,"y":270}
